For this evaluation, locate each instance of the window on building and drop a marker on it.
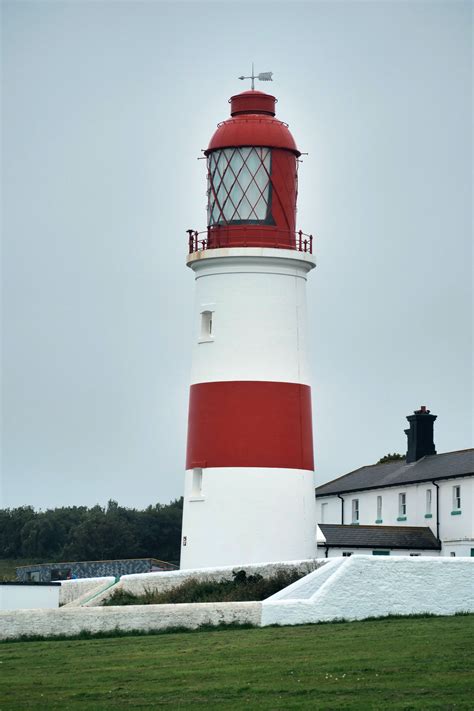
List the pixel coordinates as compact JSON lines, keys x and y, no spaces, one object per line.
{"x":428,"y":501}
{"x":206,"y":325}
{"x":324,"y":511}
{"x":414,"y":555}
{"x":196,"y":488}
{"x":452,"y":554}
{"x":402,"y":505}
{"x":379,"y":508}
{"x":380,"y":552}
{"x":346,"y":554}
{"x":355,"y":510}
{"x":456,"y":497}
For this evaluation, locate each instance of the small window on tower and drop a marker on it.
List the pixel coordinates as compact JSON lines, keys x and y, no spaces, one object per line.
{"x":207,"y":333}
{"x":196,"y":487}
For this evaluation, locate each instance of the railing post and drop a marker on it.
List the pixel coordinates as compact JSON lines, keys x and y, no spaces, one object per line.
{"x":300,"y":233}
{"x":190,"y":241}
{"x":311,"y":244}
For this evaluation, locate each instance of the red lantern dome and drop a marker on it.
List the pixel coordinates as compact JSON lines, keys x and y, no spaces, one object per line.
{"x":252,"y":177}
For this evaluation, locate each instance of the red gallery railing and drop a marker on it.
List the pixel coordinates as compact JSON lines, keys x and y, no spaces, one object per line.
{"x":301,"y":242}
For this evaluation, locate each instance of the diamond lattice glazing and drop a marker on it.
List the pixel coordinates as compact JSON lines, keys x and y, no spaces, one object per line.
{"x":239,"y":187}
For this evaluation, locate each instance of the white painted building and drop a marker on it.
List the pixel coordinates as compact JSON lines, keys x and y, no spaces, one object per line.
{"x":427,"y":490}
{"x":28,"y":596}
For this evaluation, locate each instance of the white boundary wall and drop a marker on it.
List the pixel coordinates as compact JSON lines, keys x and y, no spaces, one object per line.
{"x":72,"y":621}
{"x":345,"y":588}
{"x":365,"y":586}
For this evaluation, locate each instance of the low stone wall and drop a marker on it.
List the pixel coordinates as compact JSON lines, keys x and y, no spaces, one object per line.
{"x":348,"y":588}
{"x":139,"y":584}
{"x":366,"y":586}
{"x":71,"y":590}
{"x":72,"y":621}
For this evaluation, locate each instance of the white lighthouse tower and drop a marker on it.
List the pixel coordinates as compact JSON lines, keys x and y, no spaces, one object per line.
{"x":249,"y":485}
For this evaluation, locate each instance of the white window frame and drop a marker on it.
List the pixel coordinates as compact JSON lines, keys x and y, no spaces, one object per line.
{"x":207,"y":325}
{"x":402,"y":504}
{"x":429,"y":501}
{"x":324,"y":508}
{"x":355,"y":511}
{"x":457,"y":497}
{"x":379,"y":507}
{"x":196,"y":485}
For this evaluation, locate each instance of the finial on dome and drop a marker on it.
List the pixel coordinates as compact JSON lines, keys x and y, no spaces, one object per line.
{"x":263,"y":76}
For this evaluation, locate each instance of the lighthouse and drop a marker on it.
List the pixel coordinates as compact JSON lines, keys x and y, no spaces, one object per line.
{"x":249,"y":483}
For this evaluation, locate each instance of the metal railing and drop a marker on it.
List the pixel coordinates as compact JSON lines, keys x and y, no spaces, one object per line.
{"x":301,"y":241}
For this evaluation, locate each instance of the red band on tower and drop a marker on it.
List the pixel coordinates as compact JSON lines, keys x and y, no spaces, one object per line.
{"x":250,"y":424}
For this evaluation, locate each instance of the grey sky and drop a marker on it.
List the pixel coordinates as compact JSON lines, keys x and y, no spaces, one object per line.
{"x":106,"y":106}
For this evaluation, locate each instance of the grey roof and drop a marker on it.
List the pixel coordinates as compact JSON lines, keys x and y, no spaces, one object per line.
{"x":436,"y":466}
{"x":353,"y":536}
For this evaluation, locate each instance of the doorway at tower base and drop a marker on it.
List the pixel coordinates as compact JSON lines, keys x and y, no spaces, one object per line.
{"x":229,"y":516}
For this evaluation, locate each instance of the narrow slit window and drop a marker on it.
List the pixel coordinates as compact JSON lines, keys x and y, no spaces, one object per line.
{"x":428,"y":501}
{"x":456,"y":497}
{"x":196,"y":489}
{"x":324,"y":508}
{"x":402,"y":504}
{"x":355,"y":510}
{"x":206,"y":325}
{"x":379,"y":508}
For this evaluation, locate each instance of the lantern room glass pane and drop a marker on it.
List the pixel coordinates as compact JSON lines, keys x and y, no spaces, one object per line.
{"x":239,"y":187}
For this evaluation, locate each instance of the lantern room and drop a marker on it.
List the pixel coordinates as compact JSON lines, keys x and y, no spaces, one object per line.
{"x":252,"y":180}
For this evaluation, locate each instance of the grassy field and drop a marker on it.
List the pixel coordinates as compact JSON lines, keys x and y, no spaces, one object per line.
{"x":412,"y":663}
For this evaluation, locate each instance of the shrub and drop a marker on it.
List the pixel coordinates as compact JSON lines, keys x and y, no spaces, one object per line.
{"x":241,"y":588}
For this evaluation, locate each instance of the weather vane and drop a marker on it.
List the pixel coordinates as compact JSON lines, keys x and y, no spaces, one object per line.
{"x":263,"y":76}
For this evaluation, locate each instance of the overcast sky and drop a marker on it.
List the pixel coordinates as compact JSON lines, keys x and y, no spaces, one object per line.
{"x":106,"y":106}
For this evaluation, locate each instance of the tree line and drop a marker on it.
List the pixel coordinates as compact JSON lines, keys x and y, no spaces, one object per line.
{"x":97,"y":533}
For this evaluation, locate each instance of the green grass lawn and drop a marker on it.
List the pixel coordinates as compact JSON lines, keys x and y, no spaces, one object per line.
{"x":418,"y":663}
